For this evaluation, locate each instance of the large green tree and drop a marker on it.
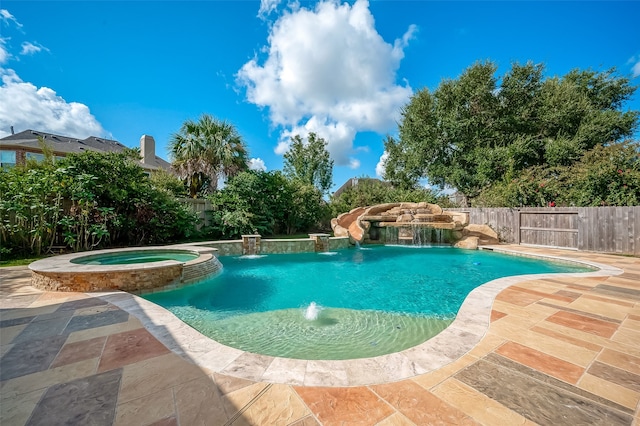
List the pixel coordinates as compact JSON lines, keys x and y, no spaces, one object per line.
{"x":479,"y":129}
{"x":267,"y":203}
{"x":206,"y":150}
{"x":309,"y":162}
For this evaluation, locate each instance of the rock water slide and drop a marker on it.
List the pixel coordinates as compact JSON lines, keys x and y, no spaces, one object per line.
{"x":409,"y":216}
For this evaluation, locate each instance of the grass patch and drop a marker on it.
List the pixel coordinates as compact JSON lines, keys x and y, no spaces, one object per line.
{"x":17,"y":262}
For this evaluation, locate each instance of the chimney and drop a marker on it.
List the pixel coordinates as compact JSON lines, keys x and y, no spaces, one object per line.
{"x":148,"y":149}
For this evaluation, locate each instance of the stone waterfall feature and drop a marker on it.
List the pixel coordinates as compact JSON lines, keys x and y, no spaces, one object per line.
{"x":412,"y":224}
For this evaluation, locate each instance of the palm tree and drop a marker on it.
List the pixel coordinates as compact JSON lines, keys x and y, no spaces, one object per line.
{"x":206,"y":150}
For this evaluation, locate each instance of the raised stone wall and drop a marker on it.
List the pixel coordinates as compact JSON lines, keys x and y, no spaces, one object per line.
{"x":275,"y":246}
{"x":287,"y":246}
{"x":126,"y":280}
{"x":60,"y":274}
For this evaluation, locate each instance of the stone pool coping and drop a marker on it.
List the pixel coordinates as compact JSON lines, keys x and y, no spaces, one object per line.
{"x":466,"y":331}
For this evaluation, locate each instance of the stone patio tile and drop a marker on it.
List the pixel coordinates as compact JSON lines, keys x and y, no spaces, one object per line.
{"x":131,"y":324}
{"x":36,"y":330}
{"x":199,"y":402}
{"x":573,"y":295}
{"x":488,"y":344}
{"x":44,"y":379}
{"x":540,"y":361}
{"x":325,"y":373}
{"x":7,"y":334}
{"x":278,"y":405}
{"x":234,"y":402}
{"x":28,"y":357}
{"x":155,"y":374}
{"x":86,"y":401}
{"x":570,"y":309}
{"x":626,"y":346}
{"x":146,"y":410}
{"x":633,"y":324}
{"x":79,"y":351}
{"x":435,"y":377}
{"x":608,"y":300}
{"x":396,"y":419}
{"x":476,"y":405}
{"x":496,"y":315}
{"x":623,"y":289}
{"x":17,"y":410}
{"x":311,"y":421}
{"x":584,"y":323}
{"x":84,"y":322}
{"x":516,"y":297}
{"x":611,"y":391}
{"x":621,"y":360}
{"x":85,"y":302}
{"x":615,"y":375}
{"x":627,"y":336}
{"x":129,"y":347}
{"x":560,"y":349}
{"x":419,"y":405}
{"x":15,"y":321}
{"x":228,"y":384}
{"x":338,"y":406}
{"x":541,"y":294}
{"x":601,"y":308}
{"x":169,"y":421}
{"x":248,"y":365}
{"x":531,"y":313}
{"x":539,"y":401}
{"x":290,"y":371}
{"x":542,"y":329}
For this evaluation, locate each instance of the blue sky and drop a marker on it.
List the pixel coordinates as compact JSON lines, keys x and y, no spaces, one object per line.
{"x":121,"y":69}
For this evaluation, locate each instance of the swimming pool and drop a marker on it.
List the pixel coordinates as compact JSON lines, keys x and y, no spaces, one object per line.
{"x":368,"y":302}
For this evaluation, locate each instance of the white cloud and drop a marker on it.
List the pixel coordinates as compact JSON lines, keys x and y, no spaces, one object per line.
{"x":266,"y":7}
{"x":25,"y":106}
{"x":636,"y":69}
{"x":30,"y":48}
{"x":328,"y":71}
{"x":4,"y":54}
{"x":382,"y":164}
{"x":354,"y":163}
{"x":257,"y":164}
{"x":8,"y":18}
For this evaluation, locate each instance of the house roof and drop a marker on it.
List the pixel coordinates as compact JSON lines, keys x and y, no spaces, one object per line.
{"x":351,"y":182}
{"x":62,"y":145}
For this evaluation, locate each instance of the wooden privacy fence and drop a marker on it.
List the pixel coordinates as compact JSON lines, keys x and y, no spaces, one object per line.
{"x":598,"y":229}
{"x":200,"y":206}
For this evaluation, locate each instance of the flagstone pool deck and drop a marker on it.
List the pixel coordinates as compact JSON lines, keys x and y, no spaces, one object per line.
{"x":549,"y":350}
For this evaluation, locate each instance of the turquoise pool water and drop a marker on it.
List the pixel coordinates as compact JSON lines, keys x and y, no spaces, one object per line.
{"x":131,"y":257}
{"x":369,"y":302}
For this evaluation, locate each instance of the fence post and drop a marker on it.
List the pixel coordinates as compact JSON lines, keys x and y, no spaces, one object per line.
{"x":517,"y":227}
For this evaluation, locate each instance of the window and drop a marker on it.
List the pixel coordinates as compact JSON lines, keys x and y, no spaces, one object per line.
{"x":7,"y":159}
{"x":34,"y":156}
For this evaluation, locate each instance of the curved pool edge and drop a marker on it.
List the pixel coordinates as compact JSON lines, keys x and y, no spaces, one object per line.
{"x":457,"y":340}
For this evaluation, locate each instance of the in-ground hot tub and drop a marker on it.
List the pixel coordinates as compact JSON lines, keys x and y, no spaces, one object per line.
{"x":136,"y":270}
{"x":137,"y":256}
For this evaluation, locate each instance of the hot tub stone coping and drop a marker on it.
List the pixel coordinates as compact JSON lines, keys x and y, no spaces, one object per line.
{"x":64,"y":263}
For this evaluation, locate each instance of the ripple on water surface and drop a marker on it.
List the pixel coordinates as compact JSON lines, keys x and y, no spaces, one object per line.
{"x":286,"y":332}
